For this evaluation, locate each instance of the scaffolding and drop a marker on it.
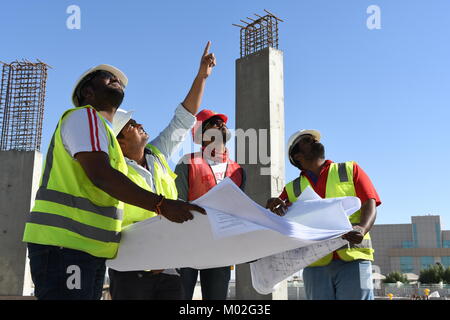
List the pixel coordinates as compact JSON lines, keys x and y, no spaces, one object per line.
{"x":22,"y":95}
{"x":259,"y":33}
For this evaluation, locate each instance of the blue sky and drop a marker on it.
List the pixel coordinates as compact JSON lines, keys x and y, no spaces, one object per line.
{"x":379,"y":97}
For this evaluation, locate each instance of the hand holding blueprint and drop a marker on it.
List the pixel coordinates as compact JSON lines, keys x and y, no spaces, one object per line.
{"x":269,"y":271}
{"x":235,"y":230}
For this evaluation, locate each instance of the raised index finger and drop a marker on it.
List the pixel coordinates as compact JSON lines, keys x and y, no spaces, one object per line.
{"x":206,"y":51}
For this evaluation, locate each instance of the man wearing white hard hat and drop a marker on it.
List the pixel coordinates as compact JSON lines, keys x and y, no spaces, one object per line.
{"x":148,"y":167}
{"x":76,"y":222}
{"x":346,"y":273}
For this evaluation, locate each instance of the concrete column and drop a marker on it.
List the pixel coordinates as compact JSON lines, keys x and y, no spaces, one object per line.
{"x":19,"y":181}
{"x":260,"y":140}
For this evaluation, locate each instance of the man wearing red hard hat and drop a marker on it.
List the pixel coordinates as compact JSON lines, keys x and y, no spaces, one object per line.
{"x":202,"y":119}
{"x":197,"y":173}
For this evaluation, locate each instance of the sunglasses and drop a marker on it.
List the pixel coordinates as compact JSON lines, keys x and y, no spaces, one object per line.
{"x":215,"y":121}
{"x":99,"y":73}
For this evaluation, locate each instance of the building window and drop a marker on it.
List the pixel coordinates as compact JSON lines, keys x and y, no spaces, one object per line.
{"x":446,"y":243}
{"x":438,"y":235}
{"x":406,"y":264}
{"x":415,"y":236}
{"x":445,"y":261}
{"x":426,"y":262}
{"x":407,"y":244}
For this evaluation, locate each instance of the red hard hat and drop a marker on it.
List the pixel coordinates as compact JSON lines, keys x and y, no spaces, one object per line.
{"x":203,"y":116}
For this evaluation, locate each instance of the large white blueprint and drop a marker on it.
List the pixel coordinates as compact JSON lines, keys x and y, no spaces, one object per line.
{"x":267,"y":272}
{"x":235,"y":230}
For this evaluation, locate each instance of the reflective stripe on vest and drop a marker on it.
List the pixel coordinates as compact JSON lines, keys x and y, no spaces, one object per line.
{"x":338,"y":185}
{"x":70,"y":211}
{"x":164,"y":181}
{"x":85,"y":230}
{"x":78,"y":202}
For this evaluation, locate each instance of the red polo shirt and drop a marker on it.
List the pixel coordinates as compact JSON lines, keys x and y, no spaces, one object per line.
{"x":363,"y":186}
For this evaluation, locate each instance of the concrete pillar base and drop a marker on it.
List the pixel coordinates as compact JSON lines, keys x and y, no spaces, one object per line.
{"x":260,"y":114}
{"x":19,"y":181}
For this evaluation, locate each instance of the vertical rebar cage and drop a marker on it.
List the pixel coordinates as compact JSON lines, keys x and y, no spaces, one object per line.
{"x":22,"y":97}
{"x":259,"y":33}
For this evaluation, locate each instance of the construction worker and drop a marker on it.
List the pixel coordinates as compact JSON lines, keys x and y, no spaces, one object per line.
{"x":345,"y":274}
{"x":76,"y":221}
{"x":148,"y":168}
{"x":197,"y":173}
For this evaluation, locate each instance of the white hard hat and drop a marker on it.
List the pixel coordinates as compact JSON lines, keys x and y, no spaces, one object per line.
{"x":120,"y":119}
{"x":294,"y":139}
{"x":105,"y":67}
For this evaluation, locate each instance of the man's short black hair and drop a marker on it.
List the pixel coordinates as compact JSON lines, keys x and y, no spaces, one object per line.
{"x":86,"y":82}
{"x":79,"y":93}
{"x":207,"y":122}
{"x":294,"y":150}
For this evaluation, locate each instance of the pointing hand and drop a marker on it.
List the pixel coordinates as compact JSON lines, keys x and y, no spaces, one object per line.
{"x":207,"y":62}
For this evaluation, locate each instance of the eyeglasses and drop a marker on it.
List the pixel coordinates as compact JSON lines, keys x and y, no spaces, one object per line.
{"x":215,"y":121}
{"x":99,"y":73}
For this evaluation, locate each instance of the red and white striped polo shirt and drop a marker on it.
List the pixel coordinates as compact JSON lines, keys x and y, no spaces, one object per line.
{"x":83,"y":131}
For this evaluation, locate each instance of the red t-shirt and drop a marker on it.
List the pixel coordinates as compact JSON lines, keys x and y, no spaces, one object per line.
{"x":363,"y":186}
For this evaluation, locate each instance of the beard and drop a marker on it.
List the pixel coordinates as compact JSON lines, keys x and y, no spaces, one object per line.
{"x":317,"y":151}
{"x":113,"y":96}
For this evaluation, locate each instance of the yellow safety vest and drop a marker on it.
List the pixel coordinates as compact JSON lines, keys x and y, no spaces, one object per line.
{"x":164,"y":181}
{"x":339,"y":184}
{"x":70,"y":211}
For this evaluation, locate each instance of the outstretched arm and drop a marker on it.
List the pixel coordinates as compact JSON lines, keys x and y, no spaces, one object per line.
{"x":194,"y":97}
{"x":175,"y":133}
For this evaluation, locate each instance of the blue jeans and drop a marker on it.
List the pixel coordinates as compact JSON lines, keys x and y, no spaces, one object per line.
{"x":214,"y":282}
{"x":65,"y":274}
{"x":340,"y":280}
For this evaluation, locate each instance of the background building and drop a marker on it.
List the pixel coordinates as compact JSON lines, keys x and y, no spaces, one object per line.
{"x":409,"y":248}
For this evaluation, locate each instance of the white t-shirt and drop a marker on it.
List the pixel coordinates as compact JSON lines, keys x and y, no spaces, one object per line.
{"x":219,"y":169}
{"x":83,"y":131}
